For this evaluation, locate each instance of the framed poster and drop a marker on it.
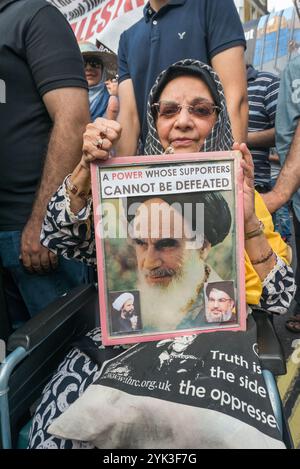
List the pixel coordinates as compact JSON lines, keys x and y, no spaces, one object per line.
{"x":170,"y":245}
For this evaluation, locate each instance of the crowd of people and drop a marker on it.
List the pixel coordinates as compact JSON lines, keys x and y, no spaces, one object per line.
{"x":72,"y":105}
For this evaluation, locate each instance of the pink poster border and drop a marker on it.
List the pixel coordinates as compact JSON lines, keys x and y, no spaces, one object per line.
{"x":163,"y":159}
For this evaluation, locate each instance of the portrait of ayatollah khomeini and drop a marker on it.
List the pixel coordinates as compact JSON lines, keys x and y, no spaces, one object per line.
{"x":171,"y":247}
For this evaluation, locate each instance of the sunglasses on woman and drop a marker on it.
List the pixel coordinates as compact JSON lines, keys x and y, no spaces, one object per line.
{"x":94,"y":63}
{"x":170,"y":109}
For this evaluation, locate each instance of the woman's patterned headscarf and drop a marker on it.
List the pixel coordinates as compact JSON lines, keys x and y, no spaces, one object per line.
{"x":220,"y":138}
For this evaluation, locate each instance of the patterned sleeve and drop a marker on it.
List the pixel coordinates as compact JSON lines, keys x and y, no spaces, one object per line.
{"x":278,"y":289}
{"x":67,"y":234}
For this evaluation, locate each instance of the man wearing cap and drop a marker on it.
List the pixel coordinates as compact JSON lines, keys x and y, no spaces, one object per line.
{"x":98,"y":67}
{"x":172,"y":30}
{"x":220,"y":302}
{"x":123,"y":322}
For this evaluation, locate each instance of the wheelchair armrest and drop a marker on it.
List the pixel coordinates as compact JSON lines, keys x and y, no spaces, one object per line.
{"x":269,"y":347}
{"x":47,"y":321}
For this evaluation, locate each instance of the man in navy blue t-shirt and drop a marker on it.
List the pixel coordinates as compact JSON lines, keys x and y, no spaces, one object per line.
{"x":206,"y":30}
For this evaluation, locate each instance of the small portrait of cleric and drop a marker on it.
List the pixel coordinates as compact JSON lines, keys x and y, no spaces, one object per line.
{"x":125,"y":312}
{"x":220,"y":302}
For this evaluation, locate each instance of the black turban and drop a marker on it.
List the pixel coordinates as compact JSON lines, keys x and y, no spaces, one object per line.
{"x":217,"y":216}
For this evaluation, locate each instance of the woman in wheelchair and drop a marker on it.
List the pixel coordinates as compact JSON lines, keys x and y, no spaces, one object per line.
{"x":186,"y":113}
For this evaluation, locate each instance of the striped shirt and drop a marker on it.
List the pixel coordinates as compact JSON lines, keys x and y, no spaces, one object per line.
{"x":263,"y":90}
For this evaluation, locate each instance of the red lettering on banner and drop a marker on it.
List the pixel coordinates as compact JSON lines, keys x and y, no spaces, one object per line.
{"x":128,"y":6}
{"x":74,"y":26}
{"x":106,"y":15}
{"x":80,"y":30}
{"x":95,"y":23}
{"x":118,"y":9}
{"x":92,"y":24}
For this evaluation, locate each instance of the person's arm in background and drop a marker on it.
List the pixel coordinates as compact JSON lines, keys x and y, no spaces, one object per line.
{"x":231,"y":68}
{"x":288,"y":113}
{"x":61,"y":83}
{"x":128,"y":119}
{"x":226,"y":44}
{"x":266,"y":138}
{"x":68,"y":108}
{"x":288,"y":180}
{"x":128,"y":113}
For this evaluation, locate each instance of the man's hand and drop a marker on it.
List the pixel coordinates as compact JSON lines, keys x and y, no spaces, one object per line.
{"x":68,"y":109}
{"x":129,"y":120}
{"x":235,"y":88}
{"x":35,"y":258}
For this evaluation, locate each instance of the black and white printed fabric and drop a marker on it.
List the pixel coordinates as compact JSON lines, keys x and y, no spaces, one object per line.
{"x":188,"y":392}
{"x":78,"y":370}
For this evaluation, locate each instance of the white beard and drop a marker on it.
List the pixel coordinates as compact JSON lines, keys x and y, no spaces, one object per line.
{"x":164,"y":307}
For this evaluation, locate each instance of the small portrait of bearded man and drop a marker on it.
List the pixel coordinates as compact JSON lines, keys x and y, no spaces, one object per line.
{"x":220,"y":302}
